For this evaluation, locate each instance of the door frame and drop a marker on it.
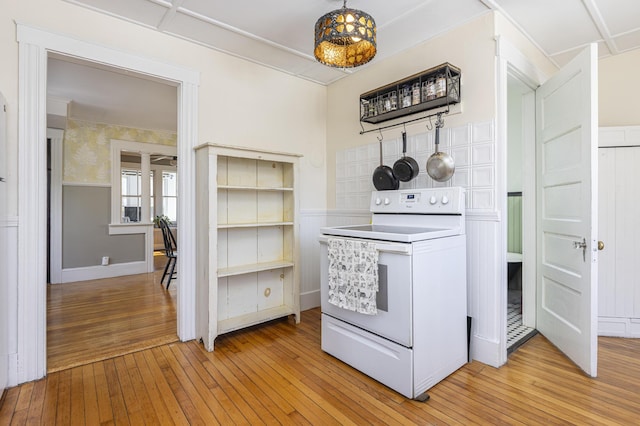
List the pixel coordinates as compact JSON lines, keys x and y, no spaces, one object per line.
{"x":55,"y":244}
{"x":34,"y":46}
{"x":511,"y":62}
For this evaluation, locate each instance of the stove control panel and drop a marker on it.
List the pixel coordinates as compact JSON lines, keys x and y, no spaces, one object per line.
{"x":450,"y":200}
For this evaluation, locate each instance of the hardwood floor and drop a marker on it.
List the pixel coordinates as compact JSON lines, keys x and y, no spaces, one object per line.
{"x":99,"y":319}
{"x":276,"y":373}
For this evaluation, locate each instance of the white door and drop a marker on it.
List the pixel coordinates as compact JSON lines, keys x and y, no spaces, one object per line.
{"x":566,"y":157}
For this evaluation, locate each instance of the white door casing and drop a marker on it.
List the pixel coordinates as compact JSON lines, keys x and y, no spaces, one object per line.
{"x":4,"y":284}
{"x":34,"y":45}
{"x":566,"y":163}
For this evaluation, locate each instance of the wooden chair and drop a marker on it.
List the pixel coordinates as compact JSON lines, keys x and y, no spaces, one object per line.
{"x":170,"y":250}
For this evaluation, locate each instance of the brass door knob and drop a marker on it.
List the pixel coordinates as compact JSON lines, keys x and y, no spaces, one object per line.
{"x":600,"y":245}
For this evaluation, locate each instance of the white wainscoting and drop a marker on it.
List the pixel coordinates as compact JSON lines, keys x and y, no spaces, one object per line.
{"x":9,"y":298}
{"x":484,"y":290}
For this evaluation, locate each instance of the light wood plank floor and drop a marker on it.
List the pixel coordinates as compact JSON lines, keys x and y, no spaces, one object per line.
{"x":276,"y":373}
{"x":93,"y":320}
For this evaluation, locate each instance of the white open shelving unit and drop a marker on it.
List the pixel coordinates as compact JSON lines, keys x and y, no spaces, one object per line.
{"x":247,"y":232}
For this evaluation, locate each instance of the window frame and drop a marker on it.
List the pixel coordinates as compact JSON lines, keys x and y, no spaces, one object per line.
{"x":145,"y":150}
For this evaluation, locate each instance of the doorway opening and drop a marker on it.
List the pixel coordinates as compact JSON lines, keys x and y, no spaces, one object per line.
{"x":520,"y":222}
{"x":94,"y":265}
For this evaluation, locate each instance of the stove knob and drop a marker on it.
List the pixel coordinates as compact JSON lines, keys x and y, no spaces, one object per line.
{"x":387,"y":201}
{"x":445,"y":199}
{"x":433,"y":199}
{"x":378,"y":201}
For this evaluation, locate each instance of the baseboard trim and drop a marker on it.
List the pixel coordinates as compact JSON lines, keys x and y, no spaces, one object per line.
{"x":486,"y":351}
{"x":98,"y":272}
{"x":310,"y":300}
{"x":619,"y":327}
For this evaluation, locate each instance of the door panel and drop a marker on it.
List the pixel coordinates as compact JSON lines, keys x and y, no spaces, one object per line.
{"x":566,"y":148}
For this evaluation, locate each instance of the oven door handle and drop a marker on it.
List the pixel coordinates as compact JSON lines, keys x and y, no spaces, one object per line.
{"x":381,"y":247}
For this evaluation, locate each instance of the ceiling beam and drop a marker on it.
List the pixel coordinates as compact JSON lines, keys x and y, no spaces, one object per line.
{"x":597,"y":19}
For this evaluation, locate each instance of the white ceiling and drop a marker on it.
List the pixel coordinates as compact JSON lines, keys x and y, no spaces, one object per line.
{"x":279,"y":33}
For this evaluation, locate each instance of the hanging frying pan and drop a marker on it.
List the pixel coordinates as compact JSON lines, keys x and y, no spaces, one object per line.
{"x":440,"y":165}
{"x":383,"y":178}
{"x":405,"y":168}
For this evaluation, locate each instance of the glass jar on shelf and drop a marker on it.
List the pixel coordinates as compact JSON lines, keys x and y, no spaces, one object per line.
{"x":393,"y":98}
{"x":441,"y":86}
{"x":406,"y":96}
{"x":415,"y":93}
{"x":430,"y":89}
{"x":364,"y":108}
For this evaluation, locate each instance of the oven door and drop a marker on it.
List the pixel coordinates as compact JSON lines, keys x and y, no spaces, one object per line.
{"x":394,"y":298}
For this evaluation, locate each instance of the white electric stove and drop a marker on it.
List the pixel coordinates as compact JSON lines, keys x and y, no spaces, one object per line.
{"x":419,"y":333}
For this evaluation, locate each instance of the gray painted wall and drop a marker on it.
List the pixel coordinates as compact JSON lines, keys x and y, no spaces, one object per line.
{"x":85,"y":233}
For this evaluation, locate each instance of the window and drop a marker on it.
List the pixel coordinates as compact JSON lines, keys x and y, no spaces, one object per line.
{"x":143,"y":184}
{"x":170,"y":195}
{"x":131,"y":194}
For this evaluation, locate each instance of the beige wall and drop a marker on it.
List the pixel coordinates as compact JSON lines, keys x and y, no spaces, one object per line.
{"x":470,"y":47}
{"x":240,"y":103}
{"x":619,"y":90}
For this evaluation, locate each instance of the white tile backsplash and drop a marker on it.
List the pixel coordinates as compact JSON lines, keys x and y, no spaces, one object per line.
{"x":461,"y":136}
{"x":482,"y":132}
{"x":482,"y":199}
{"x":482,"y":176}
{"x":483,"y":153}
{"x":472,"y":146}
{"x":461,"y":156}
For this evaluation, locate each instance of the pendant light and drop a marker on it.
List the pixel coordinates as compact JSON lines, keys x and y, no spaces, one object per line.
{"x":345,"y":38}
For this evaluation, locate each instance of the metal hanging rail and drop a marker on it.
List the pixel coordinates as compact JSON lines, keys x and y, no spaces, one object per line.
{"x":379,"y":129}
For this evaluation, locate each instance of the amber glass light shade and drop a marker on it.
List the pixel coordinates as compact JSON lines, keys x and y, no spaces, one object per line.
{"x":345,"y":38}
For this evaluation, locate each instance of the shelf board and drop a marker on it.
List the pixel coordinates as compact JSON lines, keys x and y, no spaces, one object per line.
{"x":254,"y":267}
{"x":255,"y":188}
{"x":252,"y":225}
{"x":242,"y":321}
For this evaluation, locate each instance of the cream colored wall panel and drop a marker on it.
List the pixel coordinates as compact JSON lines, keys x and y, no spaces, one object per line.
{"x":269,"y":174}
{"x":270,"y":244}
{"x":270,"y":207}
{"x":241,"y":246}
{"x":223,"y":298}
{"x":270,"y":289}
{"x":242,"y":295}
{"x":223,"y":207}
{"x":619,"y":89}
{"x":242,"y":206}
{"x":241,"y":172}
{"x":222,"y":173}
{"x":223,"y":254}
